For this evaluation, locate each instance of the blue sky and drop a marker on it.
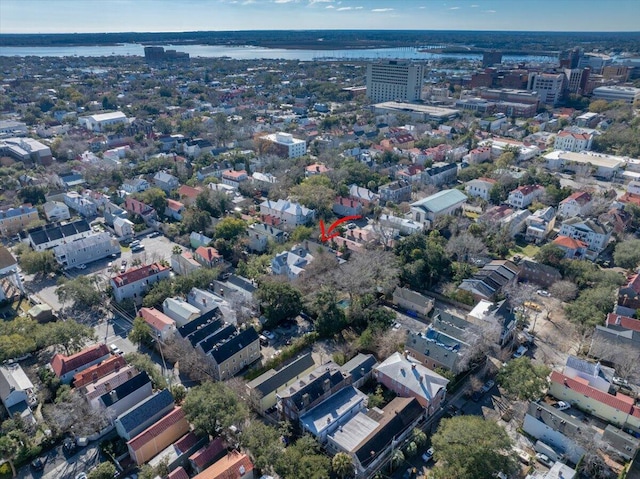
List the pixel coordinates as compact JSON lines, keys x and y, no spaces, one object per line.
{"x":63,"y":16}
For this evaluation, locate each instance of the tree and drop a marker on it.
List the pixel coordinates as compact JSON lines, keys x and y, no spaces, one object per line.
{"x":591,"y":307}
{"x":213,"y":407}
{"x":140,"y":332}
{"x":303,"y":460}
{"x":466,"y":247}
{"x":104,"y":470}
{"x":550,"y":254}
{"x":82,"y":291}
{"x":564,"y":290}
{"x":627,"y":254}
{"x":316,"y":193}
{"x":34,"y":262}
{"x":154,"y":197}
{"x":142,"y":362}
{"x":330,"y":318}
{"x":70,"y":335}
{"x":473,"y":448}
{"x":32,"y":194}
{"x":230,"y":228}
{"x":263,"y":443}
{"x":195,"y":220}
{"x":158,"y":293}
{"x":279,"y":301}
{"x":301,"y":233}
{"x":342,"y":465}
{"x":523,"y":379}
{"x":424,"y":260}
{"x":9,"y":446}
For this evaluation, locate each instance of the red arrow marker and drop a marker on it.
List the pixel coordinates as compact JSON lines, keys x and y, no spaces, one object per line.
{"x":327,"y":235}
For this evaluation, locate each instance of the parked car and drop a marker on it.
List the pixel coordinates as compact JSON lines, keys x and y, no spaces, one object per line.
{"x":428,"y":455}
{"x":38,"y":463}
{"x":521,"y":351}
{"x":268,"y":335}
{"x":155,"y":234}
{"x":620,"y":381}
{"x":263,"y":340}
{"x":81,"y":475}
{"x":69,"y":446}
{"x":487,"y":386}
{"x":82,"y":266}
{"x":532,"y":305}
{"x":542,"y":292}
{"x":116,"y":350}
{"x":544,"y":459}
{"x":134,"y":243}
{"x":562,"y":405}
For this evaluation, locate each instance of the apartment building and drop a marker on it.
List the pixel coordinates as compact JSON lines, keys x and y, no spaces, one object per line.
{"x":86,"y":250}
{"x":523,"y":196}
{"x":14,"y":220}
{"x":284,"y":145}
{"x":626,"y":94}
{"x":52,"y":235}
{"x":573,"y":141}
{"x":394,"y":80}
{"x":134,"y":282}
{"x":288,"y":212}
{"x":396,"y":192}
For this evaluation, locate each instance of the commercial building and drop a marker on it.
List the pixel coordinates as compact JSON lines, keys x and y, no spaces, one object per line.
{"x":491,"y":58}
{"x":626,"y":94}
{"x":14,"y":220}
{"x":573,"y":141}
{"x":549,"y":86}
{"x":159,"y":54}
{"x":443,"y":203}
{"x":394,"y":80}
{"x":595,"y":164}
{"x":86,"y":250}
{"x":26,"y":149}
{"x":416,"y":111}
{"x":284,"y":145}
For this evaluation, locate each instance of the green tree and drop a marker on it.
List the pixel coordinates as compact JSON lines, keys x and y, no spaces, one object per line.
{"x":32,"y":194}
{"x":303,"y":460}
{"x":419,"y":437}
{"x":330,"y":318}
{"x":154,"y":197}
{"x":195,"y":220}
{"x":424,"y":260}
{"x":263,"y":443}
{"x":34,"y":262}
{"x":301,"y":233}
{"x":9,"y":447}
{"x":524,"y":380}
{"x":213,"y":407}
{"x":473,"y":447}
{"x":82,"y":291}
{"x":140,"y":332}
{"x":627,"y":254}
{"x":179,"y":392}
{"x":230,"y":228}
{"x":158,"y":292}
{"x":142,"y":362}
{"x":279,"y":301}
{"x":591,"y":307}
{"x":342,"y":465}
{"x":550,"y":254}
{"x":104,"y":470}
{"x":70,"y":335}
{"x":316,"y":193}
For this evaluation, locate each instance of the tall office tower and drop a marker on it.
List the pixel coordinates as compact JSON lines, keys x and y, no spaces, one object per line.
{"x":549,"y":86}
{"x":570,"y":58}
{"x":394,"y":80}
{"x":491,"y":58}
{"x":576,"y":79}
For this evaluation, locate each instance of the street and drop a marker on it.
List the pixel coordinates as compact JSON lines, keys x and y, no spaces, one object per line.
{"x":57,"y":466}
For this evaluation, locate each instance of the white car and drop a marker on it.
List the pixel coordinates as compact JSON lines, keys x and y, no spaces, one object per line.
{"x":521,"y":351}
{"x":562,"y":405}
{"x":542,"y":292}
{"x":428,"y":455}
{"x":487,"y":386}
{"x":82,"y":266}
{"x":544,"y":459}
{"x":269,"y":335}
{"x":116,"y":350}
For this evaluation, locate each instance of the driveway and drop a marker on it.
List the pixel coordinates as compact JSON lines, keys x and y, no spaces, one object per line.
{"x":58,"y":466}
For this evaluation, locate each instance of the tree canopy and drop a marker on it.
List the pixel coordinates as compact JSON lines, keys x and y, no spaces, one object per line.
{"x":279,"y":301}
{"x":627,"y":254}
{"x":523,"y":379}
{"x":213,"y":407}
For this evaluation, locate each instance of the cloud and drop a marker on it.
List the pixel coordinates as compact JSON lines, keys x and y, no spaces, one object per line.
{"x":358,"y":8}
{"x":475,"y":6}
{"x":312,"y":2}
{"x":378,"y":10}
{"x":330,"y":6}
{"x":343,"y":9}
{"x":283,"y":1}
{"x":454,"y":8}
{"x":489,"y":11}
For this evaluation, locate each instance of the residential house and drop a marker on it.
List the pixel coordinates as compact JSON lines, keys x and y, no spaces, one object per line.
{"x":180,"y":311}
{"x":362,"y":195}
{"x":214,"y":170}
{"x":629,"y":294}
{"x":588,"y":371}
{"x":184,"y":263}
{"x":135,"y":185}
{"x":79,"y":203}
{"x":331,"y":413}
{"x":410,"y":173}
{"x":208,"y":257}
{"x":573,"y":248}
{"x":98,"y":371}
{"x":17,"y":392}
{"x":198,"y":239}
{"x":86,"y":250}
{"x":408,"y":378}
{"x":165,"y":181}
{"x":189,"y":194}
{"x":263,"y":181}
{"x":615,"y":345}
{"x":289,"y":213}
{"x":393,"y":226}
{"x":499,"y":315}
{"x":445,"y":202}
{"x":96,"y":388}
{"x":617,"y":409}
{"x":176,"y":455}
{"x":51,"y":235}
{"x":113,"y":211}
{"x":576,"y":204}
{"x":207,"y":301}
{"x":489,"y":281}
{"x":443,"y":344}
{"x":142,"y":415}
{"x":65,"y":367}
{"x":283,"y":145}
{"x":480,"y":187}
{"x":71,"y":180}
{"x":622,"y":323}
{"x":234,"y":178}
{"x":162,"y":326}
{"x":235,"y":465}
{"x":440,"y":173}
{"x":316,"y":169}
{"x":134,"y":282}
{"x":174,"y":210}
{"x":503,"y":216}
{"x":573,"y":141}
{"x":525,"y":195}
{"x":260,"y":234}
{"x":291,"y":263}
{"x":412,"y":301}
{"x":309,"y":391}
{"x":477,"y":155}
{"x":369,"y":438}
{"x":395,"y":192}
{"x":125,"y":396}
{"x":158,"y":436}
{"x":263,"y":389}
{"x":360,"y":368}
{"x":207,"y":455}
{"x":538,"y":273}
{"x":136,"y":207}
{"x":9,"y":270}
{"x":558,"y":430}
{"x":56,"y":211}
{"x":235,"y":353}
{"x":347,"y":207}
{"x":540,"y":224}
{"x":595,"y":234}
{"x":14,"y":220}
{"x":123,"y":228}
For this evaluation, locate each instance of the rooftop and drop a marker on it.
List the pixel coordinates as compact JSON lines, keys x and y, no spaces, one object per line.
{"x":233,"y":466}
{"x":138,"y":274}
{"x":440,"y":201}
{"x":62,"y":364}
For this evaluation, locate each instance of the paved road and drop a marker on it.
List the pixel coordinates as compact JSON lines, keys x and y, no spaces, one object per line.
{"x":58,"y":466}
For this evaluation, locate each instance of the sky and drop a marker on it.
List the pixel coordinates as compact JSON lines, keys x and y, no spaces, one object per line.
{"x":80,"y":16}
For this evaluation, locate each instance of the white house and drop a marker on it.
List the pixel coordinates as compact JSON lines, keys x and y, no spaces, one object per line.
{"x":480,"y":187}
{"x":161,"y":325}
{"x":134,"y":282}
{"x":99,"y":121}
{"x":577,"y":204}
{"x":86,"y":250}
{"x":445,"y":202}
{"x":135,"y":185}
{"x":180,"y":311}
{"x":79,"y":203}
{"x":595,"y":234}
{"x":523,"y":196}
{"x":16,"y":390}
{"x":289,"y":213}
{"x":291,"y":263}
{"x":123,"y":227}
{"x":540,"y":224}
{"x":285,"y":145}
{"x":56,"y":211}
{"x":573,"y":141}
{"x":165,"y":181}
{"x":234,"y":178}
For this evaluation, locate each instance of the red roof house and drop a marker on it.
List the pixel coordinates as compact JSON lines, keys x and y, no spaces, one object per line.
{"x":161,"y":324}
{"x":234,"y":465}
{"x":97,"y":371}
{"x":206,"y":455}
{"x":207,"y":256}
{"x":65,"y":367}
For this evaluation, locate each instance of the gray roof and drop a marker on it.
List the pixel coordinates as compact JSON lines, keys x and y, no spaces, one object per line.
{"x":621,"y":442}
{"x":451,"y":325}
{"x":272,"y":379}
{"x":331,"y":409}
{"x":413,"y":376}
{"x":587,"y":367}
{"x":412,"y":296}
{"x":553,"y":418}
{"x":146,"y":412}
{"x":236,"y":343}
{"x":359,"y":366}
{"x":440,"y":201}
{"x":51,"y":232}
{"x":126,"y":388}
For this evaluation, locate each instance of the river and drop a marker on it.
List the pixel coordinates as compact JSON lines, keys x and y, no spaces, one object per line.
{"x":257,"y":53}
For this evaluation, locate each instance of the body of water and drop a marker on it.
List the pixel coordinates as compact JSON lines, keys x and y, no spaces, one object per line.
{"x":256,"y":53}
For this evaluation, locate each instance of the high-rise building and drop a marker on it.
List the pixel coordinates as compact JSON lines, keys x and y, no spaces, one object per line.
{"x":548,"y":86}
{"x":576,"y":79}
{"x":159,"y":54}
{"x":394,"y":80}
{"x":491,"y":58}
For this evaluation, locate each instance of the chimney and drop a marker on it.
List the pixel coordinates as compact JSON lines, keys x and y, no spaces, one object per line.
{"x":107,"y":386}
{"x":413,"y":366}
{"x":305,"y":400}
{"x":326,"y":385}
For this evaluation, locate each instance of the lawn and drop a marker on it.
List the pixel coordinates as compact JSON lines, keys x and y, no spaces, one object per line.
{"x":528,"y":250}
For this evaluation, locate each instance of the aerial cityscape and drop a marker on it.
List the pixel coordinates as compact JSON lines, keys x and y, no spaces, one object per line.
{"x":319,"y":239}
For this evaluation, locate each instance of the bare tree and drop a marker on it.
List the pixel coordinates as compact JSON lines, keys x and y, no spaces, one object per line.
{"x":564,"y":290}
{"x":191,"y":361}
{"x":483,"y":339}
{"x":519,"y":293}
{"x":75,"y":414}
{"x":466,"y":247}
